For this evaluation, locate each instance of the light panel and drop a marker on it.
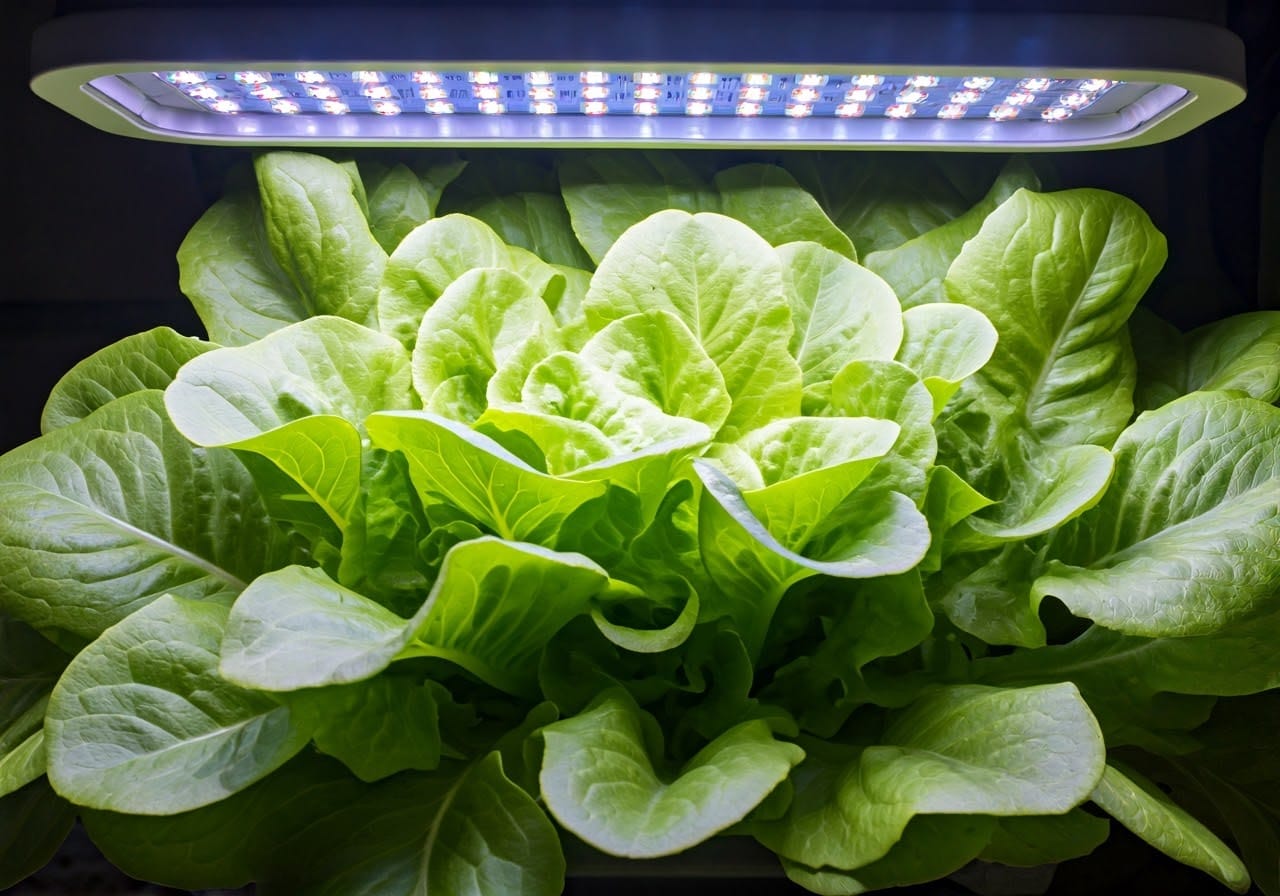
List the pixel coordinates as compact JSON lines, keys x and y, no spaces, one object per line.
{"x":1030,"y":82}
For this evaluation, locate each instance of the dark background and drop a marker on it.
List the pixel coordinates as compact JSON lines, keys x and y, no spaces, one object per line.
{"x":92,"y":222}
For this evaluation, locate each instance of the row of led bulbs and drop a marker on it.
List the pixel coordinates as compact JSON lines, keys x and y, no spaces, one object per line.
{"x":596,"y":88}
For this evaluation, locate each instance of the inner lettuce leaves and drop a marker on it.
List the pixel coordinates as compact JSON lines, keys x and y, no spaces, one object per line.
{"x":632,"y":500}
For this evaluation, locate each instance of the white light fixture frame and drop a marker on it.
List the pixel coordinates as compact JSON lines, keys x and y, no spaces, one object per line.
{"x":1178,"y":73}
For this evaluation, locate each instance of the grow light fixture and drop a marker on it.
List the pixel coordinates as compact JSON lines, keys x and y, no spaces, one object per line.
{"x":582,"y":76}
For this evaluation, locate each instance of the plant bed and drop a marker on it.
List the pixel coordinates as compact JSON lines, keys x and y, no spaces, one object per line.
{"x":846,"y":504}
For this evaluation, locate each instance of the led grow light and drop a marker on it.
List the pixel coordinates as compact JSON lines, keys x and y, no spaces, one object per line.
{"x":412,"y":77}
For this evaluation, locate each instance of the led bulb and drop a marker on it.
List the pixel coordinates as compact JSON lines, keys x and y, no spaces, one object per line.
{"x":748,"y":109}
{"x":868,"y":80}
{"x":804,"y":95}
{"x":430,"y":92}
{"x":595,"y":78}
{"x":978,"y":83}
{"x":953,"y":111}
{"x":334,"y":107}
{"x":966,"y":96}
{"x":491,"y":107}
{"x":595,"y":107}
{"x":1035,"y":85}
{"x":378,"y":92}
{"x":251,"y":78}
{"x":323,"y":91}
{"x":367,"y":77}
{"x":697,"y":108}
{"x":1003,"y":112}
{"x":811,"y":80}
{"x":426,"y":78}
{"x":1076,"y":100}
{"x":753,"y":94}
{"x":185,"y":78}
{"x":646,"y":92}
{"x":267,"y":92}
{"x":645,"y":108}
{"x":285,"y":107}
{"x":702,"y":79}
{"x":757,"y":80}
{"x":1020,"y":98}
{"x":648,"y":78}
{"x":850,"y":110}
{"x":701,"y":94}
{"x":225,"y":106}
{"x":538,"y":79}
{"x":386,"y":107}
{"x":799,"y":110}
{"x":309,"y":77}
{"x":482,"y":77}
{"x":912,"y":95}
{"x":543,"y":107}
{"x":485,"y":91}
{"x":203,"y":92}
{"x":440,"y":107}
{"x":922,"y":81}
{"x":595,"y":92}
{"x":542,"y":94}
{"x":1056,"y":113}
{"x":900,"y":110}
{"x":860,"y":94}
{"x":1095,"y":85}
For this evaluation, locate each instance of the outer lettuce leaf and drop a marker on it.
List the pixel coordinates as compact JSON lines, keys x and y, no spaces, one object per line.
{"x":1143,"y":808}
{"x":296,"y":397}
{"x":492,"y":610}
{"x":318,"y":233}
{"x":769,"y":201}
{"x":33,"y":823}
{"x":1058,"y":275}
{"x":1240,"y":353}
{"x":227,"y":270}
{"x":960,"y":750}
{"x":916,"y":268}
{"x":99,"y":518}
{"x":143,"y":361}
{"x":932,"y":846}
{"x":1197,"y":490}
{"x":29,"y":667}
{"x":141,"y":721}
{"x":881,"y":200}
{"x":469,"y":831}
{"x":400,"y":198}
{"x":606,"y":193}
{"x":599,"y":780}
{"x":538,"y":222}
{"x":725,"y":285}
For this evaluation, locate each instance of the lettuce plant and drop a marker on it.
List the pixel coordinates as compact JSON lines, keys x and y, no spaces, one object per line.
{"x":645,"y":499}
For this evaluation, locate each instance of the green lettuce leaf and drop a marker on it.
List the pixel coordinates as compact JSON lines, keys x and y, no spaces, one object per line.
{"x":141,"y":722}
{"x":1197,"y":489}
{"x":725,"y":284}
{"x":960,"y":750}
{"x":143,"y":361}
{"x":101,"y":517}
{"x":1144,"y":809}
{"x":599,"y":779}
{"x":316,"y":227}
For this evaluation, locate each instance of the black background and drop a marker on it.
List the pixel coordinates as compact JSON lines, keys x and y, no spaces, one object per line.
{"x":92,"y":222}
